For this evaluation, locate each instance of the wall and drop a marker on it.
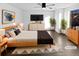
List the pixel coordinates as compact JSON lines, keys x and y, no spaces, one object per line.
{"x":24,"y":16}
{"x":64,"y":13}
{"x":58,"y":16}
{"x":47,"y":15}
{"x":19,"y":14}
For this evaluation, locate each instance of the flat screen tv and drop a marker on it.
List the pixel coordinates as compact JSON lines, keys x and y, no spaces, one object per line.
{"x":36,"y":17}
{"x":75,"y":18}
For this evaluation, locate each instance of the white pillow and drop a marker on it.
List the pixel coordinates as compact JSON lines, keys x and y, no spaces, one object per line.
{"x":77,"y":27}
{"x":20,"y":29}
{"x":12,"y":33}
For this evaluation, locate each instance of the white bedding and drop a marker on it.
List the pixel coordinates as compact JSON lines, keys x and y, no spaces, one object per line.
{"x":27,"y":36}
{"x":11,"y":39}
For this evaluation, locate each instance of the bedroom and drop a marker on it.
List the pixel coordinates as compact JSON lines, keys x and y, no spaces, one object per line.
{"x":32,"y":21}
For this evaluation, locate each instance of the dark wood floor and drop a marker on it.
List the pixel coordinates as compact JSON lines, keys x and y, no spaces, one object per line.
{"x":61,"y":41}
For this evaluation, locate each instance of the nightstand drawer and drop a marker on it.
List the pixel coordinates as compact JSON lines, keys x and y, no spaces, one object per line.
{"x":3,"y":45}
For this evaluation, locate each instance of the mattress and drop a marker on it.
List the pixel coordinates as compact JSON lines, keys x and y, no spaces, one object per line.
{"x":27,"y":36}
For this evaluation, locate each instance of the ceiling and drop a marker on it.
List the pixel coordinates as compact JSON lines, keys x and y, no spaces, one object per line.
{"x":36,"y":6}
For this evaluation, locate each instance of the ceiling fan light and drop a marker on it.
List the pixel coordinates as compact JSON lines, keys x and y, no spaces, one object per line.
{"x":43,"y":5}
{"x":43,"y":8}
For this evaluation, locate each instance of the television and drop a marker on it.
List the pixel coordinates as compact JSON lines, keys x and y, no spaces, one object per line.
{"x":36,"y":17}
{"x":75,"y":18}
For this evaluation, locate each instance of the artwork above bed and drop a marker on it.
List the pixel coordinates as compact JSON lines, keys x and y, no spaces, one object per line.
{"x":8,"y":16}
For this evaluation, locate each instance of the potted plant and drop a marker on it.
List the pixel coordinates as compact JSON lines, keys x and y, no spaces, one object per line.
{"x":53,"y":23}
{"x":63,"y":25}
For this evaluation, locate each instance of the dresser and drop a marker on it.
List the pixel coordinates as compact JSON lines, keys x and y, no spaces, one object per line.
{"x":73,"y":35}
{"x":36,"y":26}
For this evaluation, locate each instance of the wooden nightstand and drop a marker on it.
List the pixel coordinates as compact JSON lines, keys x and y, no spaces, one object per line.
{"x":3,"y":45}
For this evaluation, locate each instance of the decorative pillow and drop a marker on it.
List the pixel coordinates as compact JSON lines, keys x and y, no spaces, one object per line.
{"x":17,"y":31}
{"x":12,"y":34}
{"x":20,"y":29}
{"x":7,"y":35}
{"x":77,"y":27}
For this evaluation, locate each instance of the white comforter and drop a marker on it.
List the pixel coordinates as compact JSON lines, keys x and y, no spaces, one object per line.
{"x":27,"y":36}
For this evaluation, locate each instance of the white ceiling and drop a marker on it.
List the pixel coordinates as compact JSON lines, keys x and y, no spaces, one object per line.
{"x":36,"y":6}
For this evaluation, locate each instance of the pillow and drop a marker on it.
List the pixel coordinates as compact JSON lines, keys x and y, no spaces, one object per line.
{"x":12,"y":34}
{"x":77,"y":27}
{"x":7,"y":35}
{"x":17,"y":31}
{"x":19,"y":28}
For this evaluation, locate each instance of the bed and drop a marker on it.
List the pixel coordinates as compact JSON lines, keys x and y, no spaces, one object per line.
{"x":30,"y":38}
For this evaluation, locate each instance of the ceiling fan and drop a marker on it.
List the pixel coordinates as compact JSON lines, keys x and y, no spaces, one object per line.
{"x":45,"y":5}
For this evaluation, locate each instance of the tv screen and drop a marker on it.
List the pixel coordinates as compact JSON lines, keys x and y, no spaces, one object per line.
{"x":36,"y":17}
{"x":74,"y":18}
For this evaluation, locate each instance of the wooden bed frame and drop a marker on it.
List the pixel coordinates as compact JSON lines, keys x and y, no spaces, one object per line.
{"x":22,"y":43}
{"x":15,"y":43}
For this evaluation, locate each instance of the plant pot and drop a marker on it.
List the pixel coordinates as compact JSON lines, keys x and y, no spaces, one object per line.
{"x":63,"y":31}
{"x":52,"y":28}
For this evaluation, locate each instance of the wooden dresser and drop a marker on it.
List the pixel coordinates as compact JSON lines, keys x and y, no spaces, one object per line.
{"x":36,"y":26}
{"x":73,"y":35}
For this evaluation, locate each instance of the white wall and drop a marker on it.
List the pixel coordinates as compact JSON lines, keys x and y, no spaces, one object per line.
{"x":58,"y":16}
{"x":24,"y":16}
{"x":47,"y":14}
{"x":19,"y":14}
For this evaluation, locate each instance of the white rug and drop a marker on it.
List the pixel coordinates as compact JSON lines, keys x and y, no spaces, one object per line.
{"x":35,"y":50}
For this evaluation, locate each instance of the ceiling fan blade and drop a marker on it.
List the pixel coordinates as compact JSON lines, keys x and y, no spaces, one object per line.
{"x":51,"y":5}
{"x":39,"y":4}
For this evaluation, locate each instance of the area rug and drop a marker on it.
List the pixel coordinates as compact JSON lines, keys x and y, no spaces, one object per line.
{"x":35,"y":50}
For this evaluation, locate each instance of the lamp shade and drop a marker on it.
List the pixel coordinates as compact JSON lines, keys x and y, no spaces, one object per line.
{"x":2,"y":32}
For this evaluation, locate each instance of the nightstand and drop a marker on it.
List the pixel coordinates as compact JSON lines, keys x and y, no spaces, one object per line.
{"x":3,"y":45}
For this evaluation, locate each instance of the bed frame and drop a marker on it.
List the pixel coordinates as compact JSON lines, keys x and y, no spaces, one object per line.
{"x":14,"y":43}
{"x":24,"y":44}
{"x":43,"y":38}
{"x":21,"y":44}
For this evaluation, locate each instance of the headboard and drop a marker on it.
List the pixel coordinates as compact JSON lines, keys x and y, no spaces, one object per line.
{"x":9,"y":27}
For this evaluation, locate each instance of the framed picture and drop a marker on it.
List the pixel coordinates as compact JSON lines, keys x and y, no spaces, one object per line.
{"x":8,"y":17}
